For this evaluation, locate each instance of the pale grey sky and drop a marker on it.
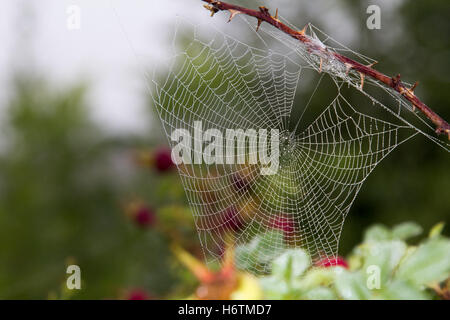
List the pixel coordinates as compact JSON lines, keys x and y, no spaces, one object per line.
{"x":116,"y":38}
{"x":103,"y":51}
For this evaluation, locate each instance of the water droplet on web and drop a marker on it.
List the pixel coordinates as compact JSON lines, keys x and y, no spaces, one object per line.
{"x":321,"y":157}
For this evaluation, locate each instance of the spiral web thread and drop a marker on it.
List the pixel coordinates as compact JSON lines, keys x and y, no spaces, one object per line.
{"x":228,"y":84}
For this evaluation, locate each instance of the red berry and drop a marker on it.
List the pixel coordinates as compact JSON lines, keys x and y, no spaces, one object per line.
{"x":163,"y":159}
{"x":145,"y":217}
{"x":137,"y":294}
{"x":332,"y":262}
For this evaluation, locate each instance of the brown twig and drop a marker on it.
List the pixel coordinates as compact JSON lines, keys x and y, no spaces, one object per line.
{"x":442,"y":127}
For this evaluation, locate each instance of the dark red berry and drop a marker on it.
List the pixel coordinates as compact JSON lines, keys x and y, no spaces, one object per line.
{"x":240,"y":183}
{"x":332,"y":262}
{"x":163,"y":159}
{"x":231,"y":220}
{"x":145,"y":217}
{"x":137,"y":294}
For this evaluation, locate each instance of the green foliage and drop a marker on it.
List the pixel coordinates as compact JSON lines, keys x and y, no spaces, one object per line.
{"x":60,"y":203}
{"x":61,"y":190}
{"x":411,"y":183}
{"x":260,"y":250}
{"x":384,"y":266}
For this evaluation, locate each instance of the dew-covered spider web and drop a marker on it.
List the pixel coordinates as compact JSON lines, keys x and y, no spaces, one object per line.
{"x":333,"y":133}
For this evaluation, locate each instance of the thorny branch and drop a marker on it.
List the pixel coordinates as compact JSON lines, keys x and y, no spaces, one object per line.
{"x":442,"y":127}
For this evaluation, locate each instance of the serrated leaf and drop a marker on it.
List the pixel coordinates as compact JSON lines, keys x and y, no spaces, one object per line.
{"x":406,"y":230}
{"x":385,"y":255}
{"x":401,"y":290}
{"x":429,"y":263}
{"x":291,"y":264}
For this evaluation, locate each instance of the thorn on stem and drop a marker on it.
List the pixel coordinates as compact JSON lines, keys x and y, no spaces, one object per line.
{"x":303,"y":31}
{"x":396,"y":80}
{"x":211,"y":8}
{"x":410,"y":92}
{"x":264,"y":10}
{"x":233,"y":13}
{"x":440,"y":130}
{"x":348,"y":67}
{"x":362,"y":75}
{"x":259,"y":24}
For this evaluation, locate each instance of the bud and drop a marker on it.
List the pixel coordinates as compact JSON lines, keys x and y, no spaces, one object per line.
{"x":163,"y":160}
{"x":141,"y":214}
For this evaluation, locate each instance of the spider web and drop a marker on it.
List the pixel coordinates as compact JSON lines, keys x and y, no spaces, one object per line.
{"x":331,"y":138}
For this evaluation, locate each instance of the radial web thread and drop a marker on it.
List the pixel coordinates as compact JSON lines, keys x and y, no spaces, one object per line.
{"x":227,"y":84}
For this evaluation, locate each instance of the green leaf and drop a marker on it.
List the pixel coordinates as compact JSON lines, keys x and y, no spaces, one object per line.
{"x":386,"y":255}
{"x":274,"y":288}
{"x":352,"y":286}
{"x":376,"y":233}
{"x":244,"y":254}
{"x":270,"y":245}
{"x":318,"y":277}
{"x":429,"y":263}
{"x":406,"y":230}
{"x":291,"y":264}
{"x":260,"y":250}
{"x":320,"y":293}
{"x":401,"y":290}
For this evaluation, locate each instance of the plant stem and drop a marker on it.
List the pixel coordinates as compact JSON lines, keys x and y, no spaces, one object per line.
{"x":442,"y":127}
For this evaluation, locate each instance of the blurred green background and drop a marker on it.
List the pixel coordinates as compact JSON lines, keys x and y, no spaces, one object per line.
{"x":65,"y":182}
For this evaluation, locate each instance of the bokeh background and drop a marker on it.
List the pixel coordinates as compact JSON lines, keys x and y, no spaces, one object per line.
{"x":80,"y":181}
